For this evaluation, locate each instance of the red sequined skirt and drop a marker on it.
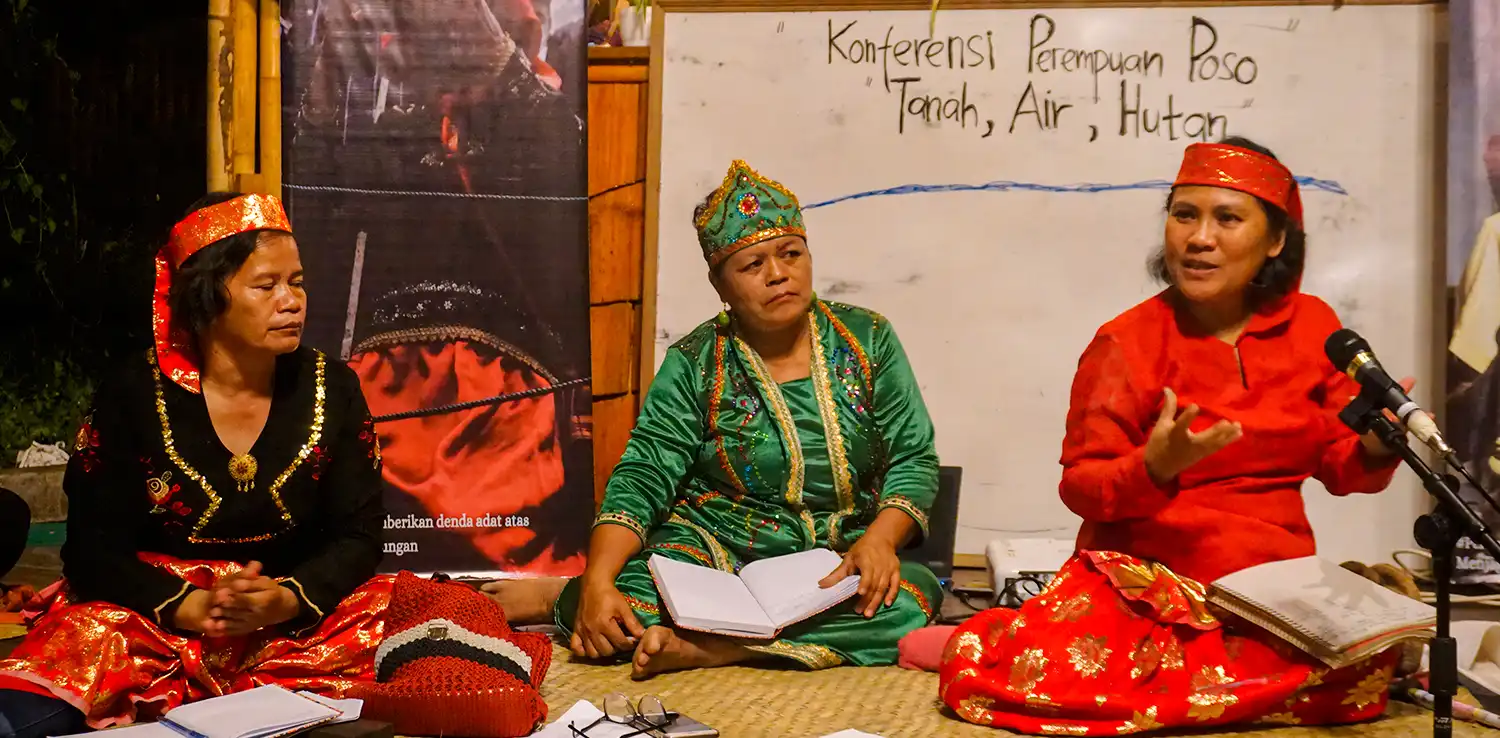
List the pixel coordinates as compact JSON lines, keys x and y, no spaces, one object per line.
{"x":1117,"y":645}
{"x":118,"y":667}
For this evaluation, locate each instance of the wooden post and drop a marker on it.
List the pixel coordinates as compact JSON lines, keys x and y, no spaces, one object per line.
{"x":242,"y":81}
{"x":653,"y":200}
{"x":220,"y":47}
{"x":270,"y":96}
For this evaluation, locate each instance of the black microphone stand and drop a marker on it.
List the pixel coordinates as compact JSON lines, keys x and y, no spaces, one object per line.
{"x":1439,"y":532}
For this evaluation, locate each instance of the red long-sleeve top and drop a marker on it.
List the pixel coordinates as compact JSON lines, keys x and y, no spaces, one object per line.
{"x":1243,"y":505}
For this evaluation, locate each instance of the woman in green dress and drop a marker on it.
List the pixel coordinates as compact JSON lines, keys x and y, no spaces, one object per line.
{"x":785,"y":424}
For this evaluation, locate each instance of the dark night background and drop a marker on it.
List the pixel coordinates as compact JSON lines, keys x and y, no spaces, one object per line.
{"x":103,"y":110}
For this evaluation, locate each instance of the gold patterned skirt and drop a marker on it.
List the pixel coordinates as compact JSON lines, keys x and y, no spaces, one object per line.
{"x":118,"y":667}
{"x":1117,"y":645}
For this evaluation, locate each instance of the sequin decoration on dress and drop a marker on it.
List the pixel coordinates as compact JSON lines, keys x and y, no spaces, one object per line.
{"x":118,"y":667}
{"x":1117,"y":645}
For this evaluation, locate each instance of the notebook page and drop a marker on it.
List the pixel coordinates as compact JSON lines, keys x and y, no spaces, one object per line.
{"x":787,"y":586}
{"x":259,"y":711}
{"x":704,"y":595}
{"x":350,"y":706}
{"x":1328,"y":602}
{"x":140,"y":730}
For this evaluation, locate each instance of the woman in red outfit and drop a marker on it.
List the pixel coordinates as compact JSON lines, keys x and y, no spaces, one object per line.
{"x":1195,"y":417}
{"x":224,"y":507}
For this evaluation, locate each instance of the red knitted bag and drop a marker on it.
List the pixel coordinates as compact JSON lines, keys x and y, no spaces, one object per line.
{"x":451,"y":665}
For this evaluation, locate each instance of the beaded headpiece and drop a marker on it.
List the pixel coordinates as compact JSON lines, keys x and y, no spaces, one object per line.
{"x":1236,"y":168}
{"x":745,"y":210}
{"x":175,"y":353}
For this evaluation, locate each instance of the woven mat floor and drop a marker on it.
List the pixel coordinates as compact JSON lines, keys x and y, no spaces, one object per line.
{"x":745,"y":702}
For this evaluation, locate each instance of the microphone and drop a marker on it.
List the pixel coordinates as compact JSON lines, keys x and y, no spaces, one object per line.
{"x":1353,"y":356}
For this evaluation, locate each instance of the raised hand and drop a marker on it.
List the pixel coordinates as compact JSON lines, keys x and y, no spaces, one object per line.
{"x":1172,"y":448}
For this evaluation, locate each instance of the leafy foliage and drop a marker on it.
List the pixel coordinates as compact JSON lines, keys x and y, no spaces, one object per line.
{"x":60,"y":275}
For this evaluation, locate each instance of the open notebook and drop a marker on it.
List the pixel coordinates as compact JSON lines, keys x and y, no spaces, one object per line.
{"x":765,"y":597}
{"x":1322,"y":608}
{"x":263,"y":712}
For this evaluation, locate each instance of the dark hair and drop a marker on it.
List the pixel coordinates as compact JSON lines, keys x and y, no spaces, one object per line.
{"x":1279,"y":275}
{"x":199,"y":295}
{"x":702,"y":207}
{"x":698,"y":210}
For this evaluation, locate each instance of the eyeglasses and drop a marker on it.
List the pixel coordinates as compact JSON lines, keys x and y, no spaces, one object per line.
{"x":645,"y":715}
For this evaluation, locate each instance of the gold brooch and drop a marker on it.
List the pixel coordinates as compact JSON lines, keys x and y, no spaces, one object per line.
{"x":159,"y":488}
{"x":243,"y":468}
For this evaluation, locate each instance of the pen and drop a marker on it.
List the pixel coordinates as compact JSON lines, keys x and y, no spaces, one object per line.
{"x":1460,"y":710}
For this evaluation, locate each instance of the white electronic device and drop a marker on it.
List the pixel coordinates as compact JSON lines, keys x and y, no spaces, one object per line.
{"x":1020,"y":567}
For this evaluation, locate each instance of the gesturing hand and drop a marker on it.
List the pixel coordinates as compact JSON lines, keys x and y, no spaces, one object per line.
{"x":1172,"y":448}
{"x":874,"y":559}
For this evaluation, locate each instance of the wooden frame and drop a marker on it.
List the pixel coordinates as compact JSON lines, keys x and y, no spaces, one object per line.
{"x":653,"y":205}
{"x":618,"y":117}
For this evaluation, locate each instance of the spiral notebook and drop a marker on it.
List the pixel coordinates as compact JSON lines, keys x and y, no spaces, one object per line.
{"x":1323,"y":609}
{"x":270,"y":711}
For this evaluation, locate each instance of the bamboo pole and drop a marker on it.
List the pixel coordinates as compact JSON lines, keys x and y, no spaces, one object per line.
{"x":242,"y":81}
{"x":219,"y":49}
{"x":270,"y":96}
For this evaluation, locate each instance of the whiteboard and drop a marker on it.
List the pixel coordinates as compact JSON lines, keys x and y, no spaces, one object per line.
{"x":996,"y":189}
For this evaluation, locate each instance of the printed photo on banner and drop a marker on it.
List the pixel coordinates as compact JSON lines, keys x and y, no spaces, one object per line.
{"x":1472,"y":410}
{"x":434,"y":164}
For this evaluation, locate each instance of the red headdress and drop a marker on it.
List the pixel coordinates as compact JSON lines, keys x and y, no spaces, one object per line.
{"x":175,"y":353}
{"x":1235,"y":168}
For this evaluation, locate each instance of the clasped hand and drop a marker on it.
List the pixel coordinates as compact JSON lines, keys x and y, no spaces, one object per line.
{"x":239,"y":604}
{"x":874,"y":559}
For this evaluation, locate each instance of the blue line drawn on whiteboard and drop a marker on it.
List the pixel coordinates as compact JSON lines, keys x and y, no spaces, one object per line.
{"x":1307,"y":183}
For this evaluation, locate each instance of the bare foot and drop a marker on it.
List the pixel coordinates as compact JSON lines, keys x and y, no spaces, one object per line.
{"x":663,"y":649}
{"x":526,"y":601}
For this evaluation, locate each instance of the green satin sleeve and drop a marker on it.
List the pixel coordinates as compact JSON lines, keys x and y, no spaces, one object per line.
{"x":912,"y":476}
{"x":662,"y":446}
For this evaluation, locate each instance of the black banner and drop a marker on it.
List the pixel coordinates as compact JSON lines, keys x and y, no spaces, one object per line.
{"x":434,"y":171}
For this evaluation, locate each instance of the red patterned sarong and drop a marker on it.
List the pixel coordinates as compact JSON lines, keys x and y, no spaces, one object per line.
{"x":118,"y":667}
{"x":1116,"y":645}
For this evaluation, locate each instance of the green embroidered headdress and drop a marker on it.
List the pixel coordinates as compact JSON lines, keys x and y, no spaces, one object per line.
{"x":745,"y":210}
